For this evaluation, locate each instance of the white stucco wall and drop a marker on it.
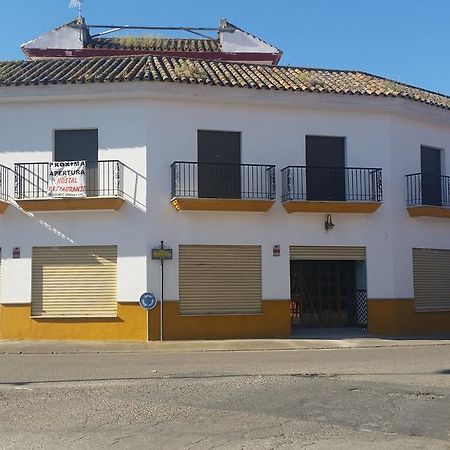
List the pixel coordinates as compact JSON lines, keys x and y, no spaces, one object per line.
{"x":149,"y":130}
{"x":406,"y":138}
{"x":27,"y":136}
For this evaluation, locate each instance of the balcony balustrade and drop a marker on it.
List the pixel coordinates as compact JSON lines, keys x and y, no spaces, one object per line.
{"x":6,"y":187}
{"x":222,"y":187}
{"x":428,"y":195}
{"x":331,"y":189}
{"x":102,"y":187}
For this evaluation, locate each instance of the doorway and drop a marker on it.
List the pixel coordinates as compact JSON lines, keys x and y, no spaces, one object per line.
{"x":324,"y":294}
{"x":325,"y":168}
{"x":219,"y":159}
{"x":80,"y":145}
{"x":430,"y":159}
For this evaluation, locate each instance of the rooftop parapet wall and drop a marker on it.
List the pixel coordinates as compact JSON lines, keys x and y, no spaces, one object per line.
{"x":76,"y":39}
{"x":72,"y":35}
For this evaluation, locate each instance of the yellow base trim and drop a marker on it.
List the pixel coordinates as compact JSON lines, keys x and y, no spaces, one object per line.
{"x":274,"y":322}
{"x":429,"y":211}
{"x":129,"y":325}
{"x":72,"y":204}
{"x":398,"y":317}
{"x":221,"y":204}
{"x":3,"y":206}
{"x":293,"y":206}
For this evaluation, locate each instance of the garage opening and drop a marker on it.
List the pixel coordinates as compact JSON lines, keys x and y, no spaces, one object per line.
{"x":74,"y":282}
{"x":328,"y":287}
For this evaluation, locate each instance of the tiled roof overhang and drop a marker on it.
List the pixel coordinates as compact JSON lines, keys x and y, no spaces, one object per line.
{"x":214,"y":73}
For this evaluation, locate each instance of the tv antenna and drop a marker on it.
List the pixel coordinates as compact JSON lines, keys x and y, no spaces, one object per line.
{"x":77,"y":4}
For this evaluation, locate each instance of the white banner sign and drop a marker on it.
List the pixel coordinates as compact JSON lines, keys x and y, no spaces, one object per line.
{"x":67,"y":179}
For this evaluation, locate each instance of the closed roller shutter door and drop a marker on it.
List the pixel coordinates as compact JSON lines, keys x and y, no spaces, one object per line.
{"x":431,"y":270}
{"x":220,"y":279}
{"x":339,"y":253}
{"x":74,"y":281}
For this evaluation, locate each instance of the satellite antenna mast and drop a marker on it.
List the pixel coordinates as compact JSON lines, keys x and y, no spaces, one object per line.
{"x":77,"y":4}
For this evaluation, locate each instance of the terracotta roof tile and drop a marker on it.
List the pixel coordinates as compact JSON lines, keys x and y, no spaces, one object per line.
{"x":155,"y":43}
{"x":216,"y":73}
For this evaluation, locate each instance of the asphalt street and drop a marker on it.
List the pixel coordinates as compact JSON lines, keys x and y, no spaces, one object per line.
{"x":394,"y":397}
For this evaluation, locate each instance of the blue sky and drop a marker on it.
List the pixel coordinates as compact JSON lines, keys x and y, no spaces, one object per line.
{"x":407,"y":40}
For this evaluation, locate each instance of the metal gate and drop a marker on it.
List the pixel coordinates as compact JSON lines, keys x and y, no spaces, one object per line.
{"x":324,"y":294}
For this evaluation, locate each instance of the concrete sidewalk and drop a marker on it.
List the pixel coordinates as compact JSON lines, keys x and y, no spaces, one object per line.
{"x":247,"y":345}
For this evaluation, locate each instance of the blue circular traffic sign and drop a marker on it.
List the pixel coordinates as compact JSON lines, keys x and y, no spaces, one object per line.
{"x":148,"y":301}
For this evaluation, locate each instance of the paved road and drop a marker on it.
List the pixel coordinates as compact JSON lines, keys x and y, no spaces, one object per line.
{"x":362,"y":398}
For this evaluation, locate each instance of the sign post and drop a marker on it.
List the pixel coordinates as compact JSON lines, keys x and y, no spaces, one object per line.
{"x":161,"y":253}
{"x":148,"y":301}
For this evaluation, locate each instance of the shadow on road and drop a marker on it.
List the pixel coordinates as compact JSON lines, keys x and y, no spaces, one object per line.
{"x":355,"y":333}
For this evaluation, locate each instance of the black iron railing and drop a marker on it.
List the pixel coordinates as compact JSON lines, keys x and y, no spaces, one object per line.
{"x":212,"y":180}
{"x":6,"y":180}
{"x":427,"y":189}
{"x":103,"y":179}
{"x":332,"y":184}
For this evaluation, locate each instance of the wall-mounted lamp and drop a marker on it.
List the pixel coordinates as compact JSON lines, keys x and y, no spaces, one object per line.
{"x":329,"y":225}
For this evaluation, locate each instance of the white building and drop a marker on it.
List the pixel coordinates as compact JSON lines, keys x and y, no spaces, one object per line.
{"x":238,"y":169}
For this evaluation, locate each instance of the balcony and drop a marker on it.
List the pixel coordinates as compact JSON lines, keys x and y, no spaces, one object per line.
{"x":428,"y":195}
{"x":6,"y":187}
{"x":103,"y":188}
{"x":222,"y":187}
{"x":330,"y":189}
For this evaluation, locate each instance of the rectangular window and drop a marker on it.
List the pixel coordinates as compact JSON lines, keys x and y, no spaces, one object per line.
{"x":220,"y":279}
{"x":431,"y":268}
{"x":74,"y":281}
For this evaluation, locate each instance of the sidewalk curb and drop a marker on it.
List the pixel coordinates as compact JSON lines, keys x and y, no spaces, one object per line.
{"x":226,"y":346}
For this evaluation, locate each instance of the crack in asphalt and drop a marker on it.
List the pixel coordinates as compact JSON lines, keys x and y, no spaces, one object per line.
{"x":314,"y":375}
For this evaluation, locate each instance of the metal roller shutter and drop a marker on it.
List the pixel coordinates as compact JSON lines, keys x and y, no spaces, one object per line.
{"x":74,"y":281}
{"x":220,"y":279}
{"x":431,"y":270}
{"x":328,"y":252}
